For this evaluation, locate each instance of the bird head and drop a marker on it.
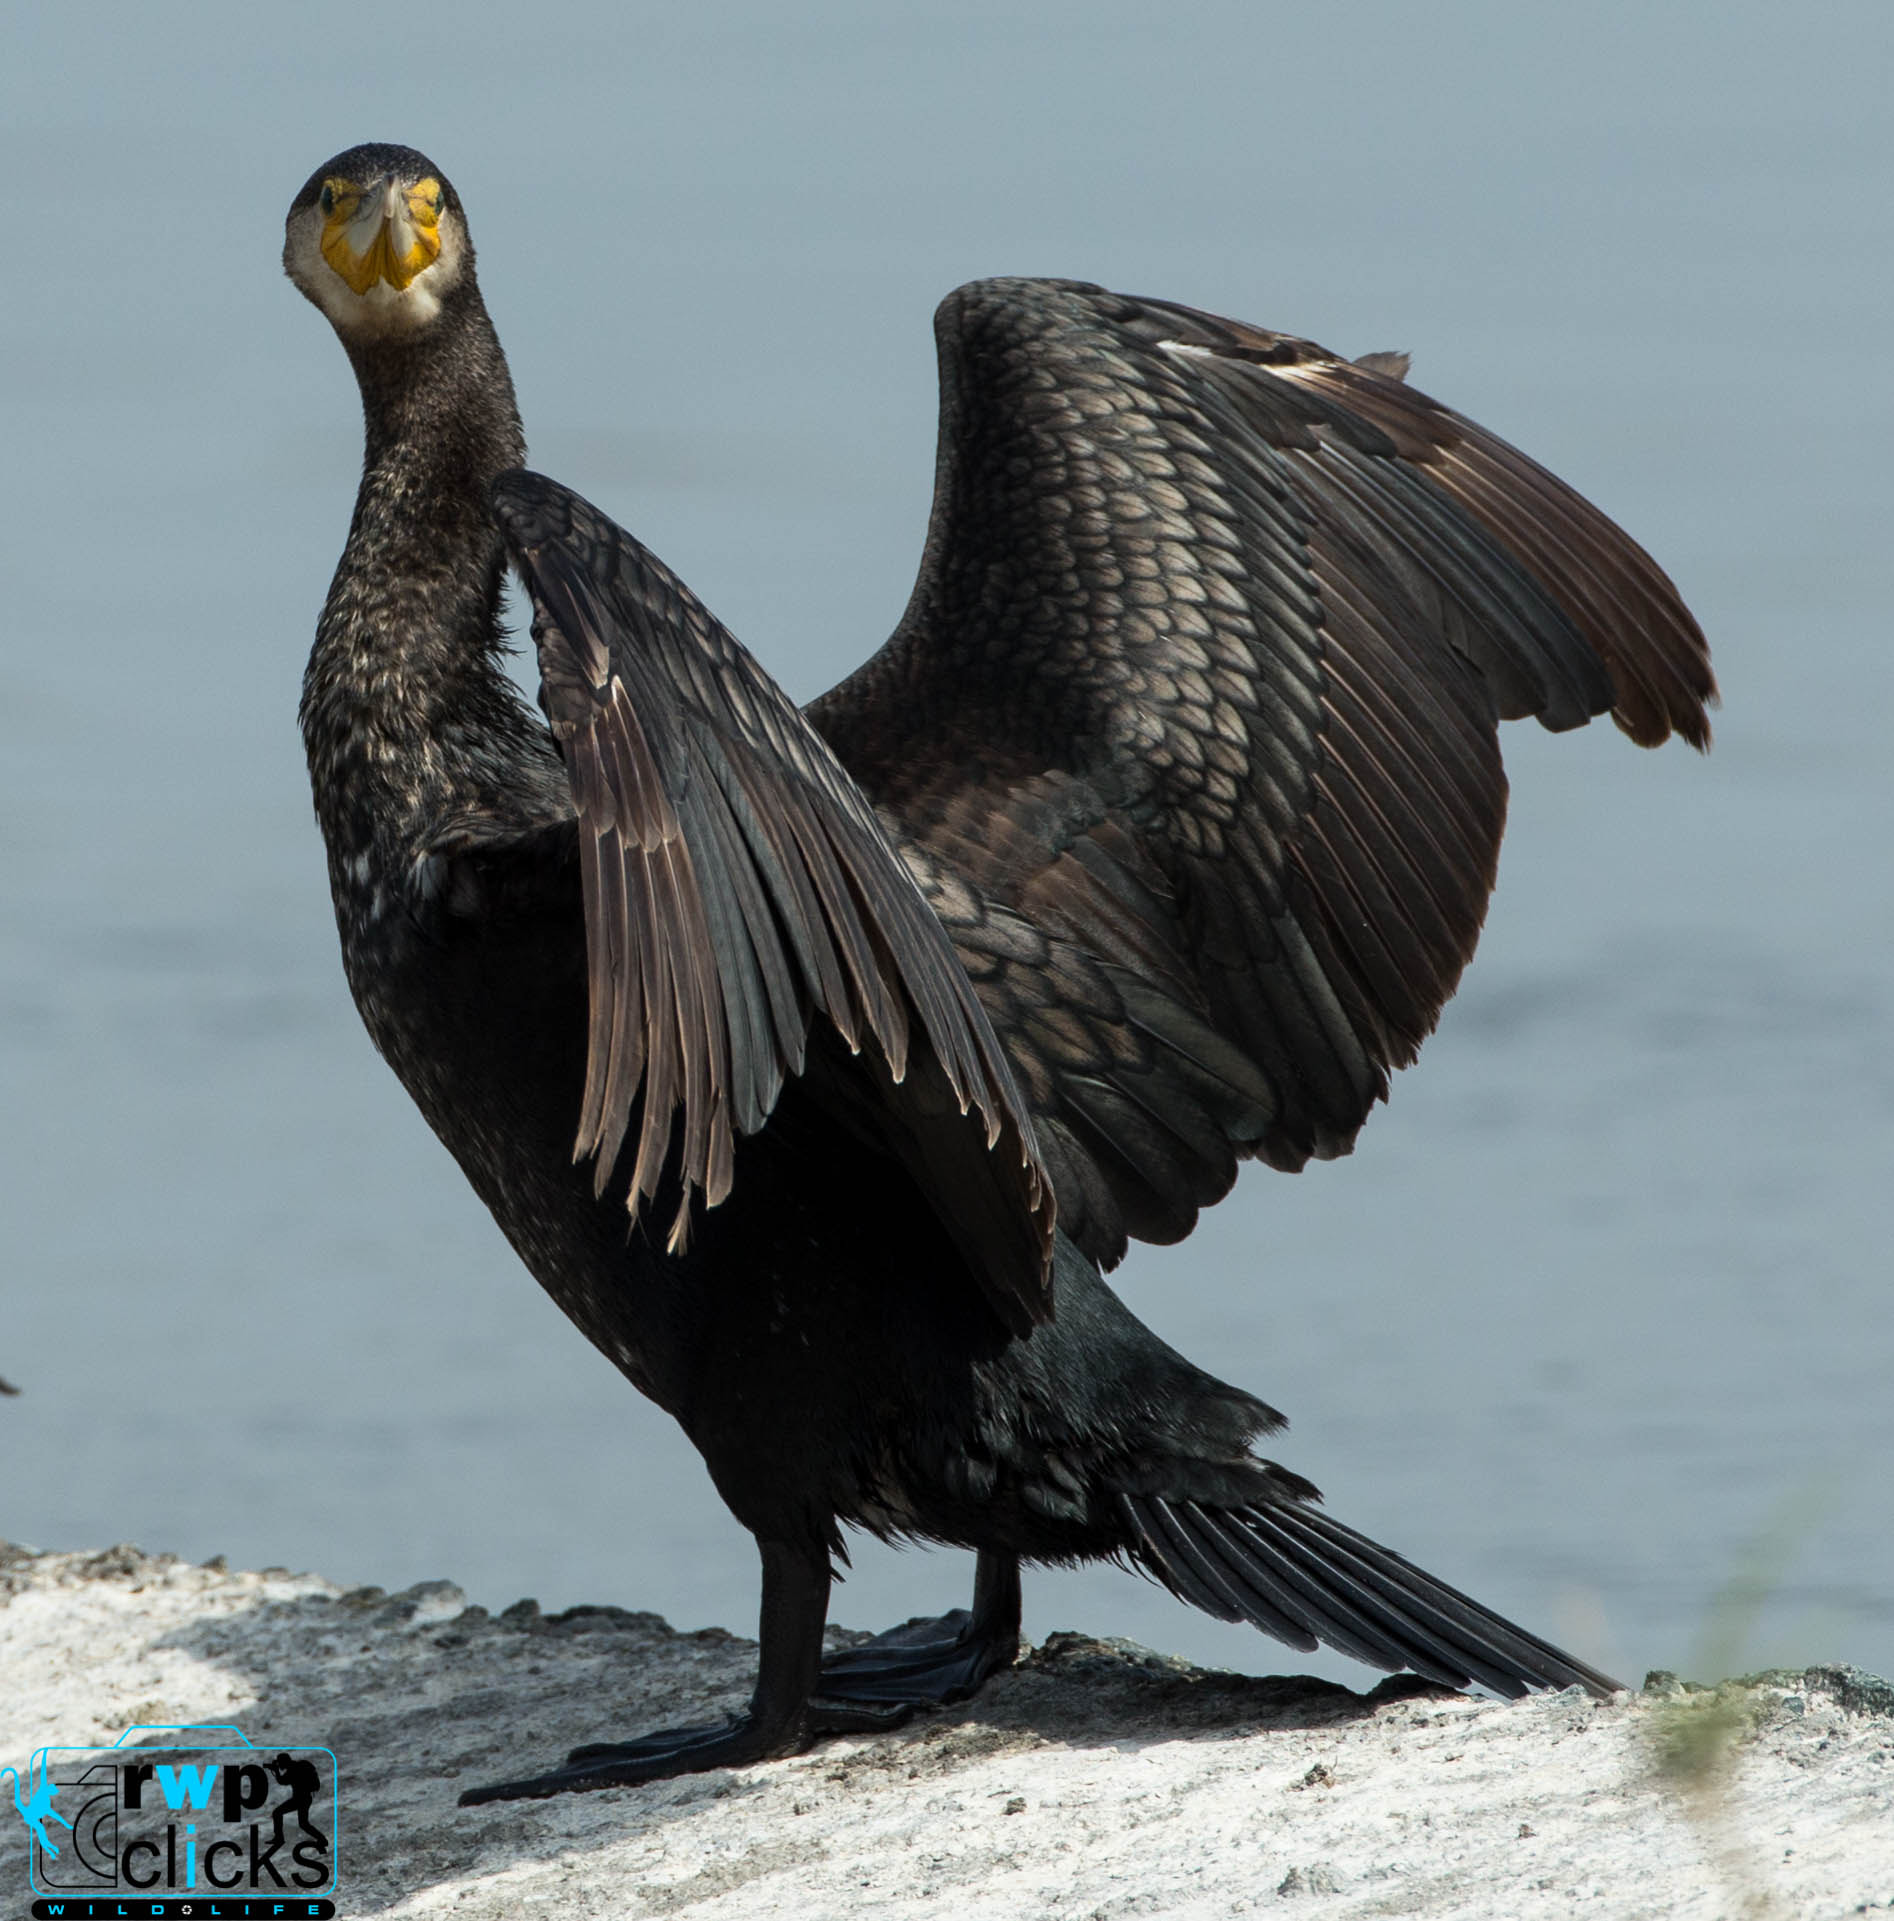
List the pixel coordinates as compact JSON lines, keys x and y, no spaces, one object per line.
{"x":377,"y":240}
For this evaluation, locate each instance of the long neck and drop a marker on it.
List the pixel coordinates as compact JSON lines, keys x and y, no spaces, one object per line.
{"x":407,"y":711}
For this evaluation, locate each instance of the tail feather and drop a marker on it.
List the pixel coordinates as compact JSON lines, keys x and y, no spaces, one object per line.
{"x":1272,"y":1585}
{"x":1441,"y":1633}
{"x":1490,"y":1635}
{"x":1334,"y":1616}
{"x":1304,"y":1578}
{"x":1208,"y":1580}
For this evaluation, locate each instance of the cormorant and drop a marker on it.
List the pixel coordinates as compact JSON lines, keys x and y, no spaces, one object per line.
{"x":816,"y":1062}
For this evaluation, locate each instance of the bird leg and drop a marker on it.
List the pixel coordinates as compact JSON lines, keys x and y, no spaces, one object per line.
{"x":780,"y":1718}
{"x":931,"y":1663}
{"x":799,"y":1697}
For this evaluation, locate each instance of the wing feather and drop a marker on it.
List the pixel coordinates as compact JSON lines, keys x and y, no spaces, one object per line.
{"x":1197,"y":697}
{"x":737,"y":889}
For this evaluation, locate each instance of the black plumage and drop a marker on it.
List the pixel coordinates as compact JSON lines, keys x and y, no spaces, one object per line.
{"x":815,"y":1063}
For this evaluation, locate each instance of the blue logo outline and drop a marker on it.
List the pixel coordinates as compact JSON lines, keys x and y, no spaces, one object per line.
{"x":185,"y":1789}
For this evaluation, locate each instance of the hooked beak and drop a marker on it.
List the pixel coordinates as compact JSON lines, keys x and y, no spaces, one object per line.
{"x":382,"y":231}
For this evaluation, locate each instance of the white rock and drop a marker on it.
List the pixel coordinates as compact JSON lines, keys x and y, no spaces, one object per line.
{"x":1094,"y":1781}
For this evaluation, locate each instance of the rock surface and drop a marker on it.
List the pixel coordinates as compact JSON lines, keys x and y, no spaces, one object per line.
{"x":1093,"y":1781}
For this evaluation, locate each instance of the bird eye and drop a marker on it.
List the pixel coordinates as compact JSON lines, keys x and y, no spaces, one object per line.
{"x":436,"y":201}
{"x":328,"y":199}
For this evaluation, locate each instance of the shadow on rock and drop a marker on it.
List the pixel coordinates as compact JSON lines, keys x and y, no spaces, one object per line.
{"x":420,"y":1696}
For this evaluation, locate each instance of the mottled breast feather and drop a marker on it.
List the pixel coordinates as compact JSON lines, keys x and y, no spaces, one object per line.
{"x":737,"y":885}
{"x":1189,"y":730}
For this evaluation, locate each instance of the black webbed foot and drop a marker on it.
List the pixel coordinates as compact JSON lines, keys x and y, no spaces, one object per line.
{"x":652,"y":1757}
{"x":933,"y":1663}
{"x":819,"y":1718}
{"x":925,"y":1663}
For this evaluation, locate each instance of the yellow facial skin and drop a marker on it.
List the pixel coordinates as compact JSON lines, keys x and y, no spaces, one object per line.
{"x":380,"y":231}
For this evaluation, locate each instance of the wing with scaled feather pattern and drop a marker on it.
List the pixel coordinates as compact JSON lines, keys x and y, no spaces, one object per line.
{"x":1189,"y":730}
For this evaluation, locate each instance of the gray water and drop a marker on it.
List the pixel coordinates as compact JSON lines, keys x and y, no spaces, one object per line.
{"x":1595,"y":1320}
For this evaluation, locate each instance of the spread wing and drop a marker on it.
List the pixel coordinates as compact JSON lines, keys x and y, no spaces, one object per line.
{"x":1189,"y":731}
{"x":737,"y":888}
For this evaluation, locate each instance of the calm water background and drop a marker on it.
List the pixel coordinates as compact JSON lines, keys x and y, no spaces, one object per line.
{"x":1602,"y":1300}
